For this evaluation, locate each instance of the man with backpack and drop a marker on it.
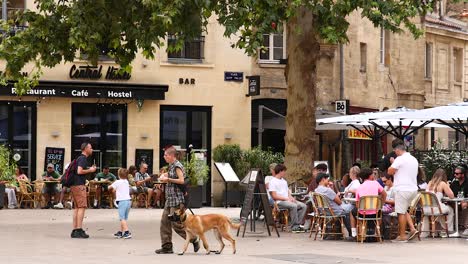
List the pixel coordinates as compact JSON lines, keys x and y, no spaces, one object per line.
{"x":77,"y":171}
{"x":175,"y":198}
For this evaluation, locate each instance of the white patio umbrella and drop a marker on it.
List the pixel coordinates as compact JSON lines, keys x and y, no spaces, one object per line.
{"x":368,"y":122}
{"x":453,"y":115}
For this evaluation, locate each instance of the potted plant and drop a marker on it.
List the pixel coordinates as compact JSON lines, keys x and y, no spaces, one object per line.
{"x":7,"y":171}
{"x":198,"y":172}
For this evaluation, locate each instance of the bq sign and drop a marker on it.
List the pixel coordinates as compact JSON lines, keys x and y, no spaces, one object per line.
{"x":95,"y":73}
{"x":55,"y":156}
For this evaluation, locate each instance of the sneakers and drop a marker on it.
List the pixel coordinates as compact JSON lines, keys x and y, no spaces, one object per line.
{"x":79,"y":233}
{"x":12,"y":207}
{"x":127,"y":235}
{"x":118,"y":234}
{"x":164,"y":250}
{"x":58,"y":206}
{"x":69,"y":204}
{"x":465,"y":233}
{"x":297,"y":229}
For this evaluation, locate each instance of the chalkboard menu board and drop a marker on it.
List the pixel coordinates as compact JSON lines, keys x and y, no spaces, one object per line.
{"x":256,"y":181}
{"x":55,"y":156}
{"x":146,"y":156}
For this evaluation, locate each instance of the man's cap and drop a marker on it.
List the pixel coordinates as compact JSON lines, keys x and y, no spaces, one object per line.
{"x":50,"y":165}
{"x":321,"y":176}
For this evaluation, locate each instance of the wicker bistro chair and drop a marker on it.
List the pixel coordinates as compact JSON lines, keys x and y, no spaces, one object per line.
{"x":91,"y":193}
{"x":432,"y":209}
{"x":26,"y":194}
{"x":326,"y":216}
{"x":369,"y":204}
{"x":280,"y":217}
{"x":315,"y":219}
{"x":38,"y":196}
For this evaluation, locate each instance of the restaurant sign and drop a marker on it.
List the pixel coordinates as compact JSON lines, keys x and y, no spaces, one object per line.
{"x":96,"y":72}
{"x":356,"y":134}
{"x":91,"y":90}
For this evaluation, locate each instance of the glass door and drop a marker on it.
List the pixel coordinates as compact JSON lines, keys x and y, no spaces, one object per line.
{"x":104,"y":126}
{"x":187,"y":127}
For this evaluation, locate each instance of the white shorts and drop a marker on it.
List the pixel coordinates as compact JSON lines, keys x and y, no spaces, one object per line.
{"x":403,"y":200}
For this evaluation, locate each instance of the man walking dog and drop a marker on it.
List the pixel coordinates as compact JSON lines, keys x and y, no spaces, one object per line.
{"x":175,"y":179}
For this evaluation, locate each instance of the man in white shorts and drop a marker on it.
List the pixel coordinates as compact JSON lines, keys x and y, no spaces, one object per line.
{"x":405,"y":186}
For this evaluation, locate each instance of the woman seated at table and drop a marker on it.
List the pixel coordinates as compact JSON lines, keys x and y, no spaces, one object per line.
{"x":12,"y":187}
{"x":439,"y":186}
{"x":158,"y":191}
{"x":350,"y":190}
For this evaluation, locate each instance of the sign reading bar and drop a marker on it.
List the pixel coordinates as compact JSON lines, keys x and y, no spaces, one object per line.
{"x":55,"y":156}
{"x":356,"y":134}
{"x":92,"y":90}
{"x":233,"y":76}
{"x":254,"y":85}
{"x":95,"y":73}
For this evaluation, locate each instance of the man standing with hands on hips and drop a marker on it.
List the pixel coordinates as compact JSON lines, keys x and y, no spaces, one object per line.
{"x":405,"y":185}
{"x":175,"y":180}
{"x":78,"y":189}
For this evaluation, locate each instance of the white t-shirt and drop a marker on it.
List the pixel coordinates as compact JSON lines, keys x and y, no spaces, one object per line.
{"x":406,"y":176}
{"x":353,"y":186}
{"x":390,"y":193}
{"x":280,"y":186}
{"x":122,"y":190}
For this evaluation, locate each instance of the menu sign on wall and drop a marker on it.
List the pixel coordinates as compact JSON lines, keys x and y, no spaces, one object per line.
{"x":54,"y":156}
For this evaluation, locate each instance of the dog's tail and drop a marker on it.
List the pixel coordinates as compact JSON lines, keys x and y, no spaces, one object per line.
{"x":235,"y":226}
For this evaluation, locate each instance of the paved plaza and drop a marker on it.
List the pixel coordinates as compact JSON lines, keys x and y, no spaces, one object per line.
{"x":43,"y":236}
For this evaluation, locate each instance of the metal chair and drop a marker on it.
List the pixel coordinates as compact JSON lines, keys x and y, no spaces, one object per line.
{"x":432,"y":209}
{"x":327,"y":216}
{"x":369,"y":204}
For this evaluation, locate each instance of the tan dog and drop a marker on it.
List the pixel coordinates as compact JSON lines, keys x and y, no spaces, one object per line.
{"x":197,"y":225}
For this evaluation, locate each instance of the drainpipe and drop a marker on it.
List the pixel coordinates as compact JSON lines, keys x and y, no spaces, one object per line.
{"x":346,"y":154}
{"x":4,"y":10}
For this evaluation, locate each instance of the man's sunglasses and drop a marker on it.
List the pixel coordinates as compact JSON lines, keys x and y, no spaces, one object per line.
{"x":458,"y":173}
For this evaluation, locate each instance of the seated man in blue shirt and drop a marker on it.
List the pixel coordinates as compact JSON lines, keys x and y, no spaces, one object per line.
{"x":334,"y":199}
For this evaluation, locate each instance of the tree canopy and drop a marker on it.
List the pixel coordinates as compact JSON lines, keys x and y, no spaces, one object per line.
{"x":57,"y":30}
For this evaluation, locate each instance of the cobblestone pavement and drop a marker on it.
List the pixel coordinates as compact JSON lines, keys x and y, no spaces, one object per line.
{"x":43,"y":236}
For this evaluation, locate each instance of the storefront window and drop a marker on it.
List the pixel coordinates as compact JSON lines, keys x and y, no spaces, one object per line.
{"x":102,"y":125}
{"x":17,"y":131}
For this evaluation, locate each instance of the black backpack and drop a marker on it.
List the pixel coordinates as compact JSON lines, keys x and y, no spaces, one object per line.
{"x":69,"y":175}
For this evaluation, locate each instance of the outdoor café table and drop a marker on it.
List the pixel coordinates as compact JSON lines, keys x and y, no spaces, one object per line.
{"x":298,"y":194}
{"x":456,"y":201}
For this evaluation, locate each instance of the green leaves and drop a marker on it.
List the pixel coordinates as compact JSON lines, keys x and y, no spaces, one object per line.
{"x":60,"y":30}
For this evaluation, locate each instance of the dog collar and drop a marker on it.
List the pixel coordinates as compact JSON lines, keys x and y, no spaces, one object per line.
{"x":183,"y":219}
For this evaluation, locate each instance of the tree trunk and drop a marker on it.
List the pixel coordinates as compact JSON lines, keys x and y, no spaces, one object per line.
{"x":301,"y":75}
